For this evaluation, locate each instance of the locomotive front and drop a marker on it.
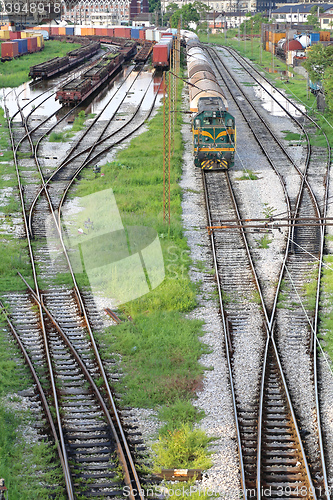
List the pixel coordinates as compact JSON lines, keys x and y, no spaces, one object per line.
{"x":214,"y":135}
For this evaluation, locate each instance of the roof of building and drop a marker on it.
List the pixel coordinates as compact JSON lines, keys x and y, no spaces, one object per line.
{"x":302,"y":8}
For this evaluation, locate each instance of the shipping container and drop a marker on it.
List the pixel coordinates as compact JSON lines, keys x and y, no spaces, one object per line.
{"x":62,"y":30}
{"x":9,"y":50}
{"x":40,"y":42}
{"x":324,"y":36}
{"x":32,"y":44}
{"x":135,"y":33}
{"x":105,"y":32}
{"x":91,"y":32}
{"x":122,"y":32}
{"x":157,"y":35}
{"x":5,"y":35}
{"x":22,"y":46}
{"x":99,"y":31}
{"x":110,"y":32}
{"x":77,"y":30}
{"x":314,"y":38}
{"x":14,"y":35}
{"x":142,"y":34}
{"x":150,"y":35}
{"x":54,"y":31}
{"x":161,"y":53}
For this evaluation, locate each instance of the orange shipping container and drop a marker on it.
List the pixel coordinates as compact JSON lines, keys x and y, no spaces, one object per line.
{"x":84,"y":31}
{"x":324,"y":36}
{"x":62,"y":30}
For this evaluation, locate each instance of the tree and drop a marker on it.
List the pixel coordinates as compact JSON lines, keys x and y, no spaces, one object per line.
{"x":170,"y":10}
{"x":318,"y":60}
{"x":313,"y":19}
{"x":328,"y":87}
{"x":154,"y":5}
{"x":257,"y":21}
{"x":187,"y":13}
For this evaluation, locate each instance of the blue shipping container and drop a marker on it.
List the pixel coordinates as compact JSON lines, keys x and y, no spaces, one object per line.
{"x":135,"y":33}
{"x":70,"y":30}
{"x":22,"y":45}
{"x":314,"y":37}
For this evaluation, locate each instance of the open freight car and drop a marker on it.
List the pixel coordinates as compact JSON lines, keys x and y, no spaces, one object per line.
{"x":80,"y":88}
{"x":58,"y":65}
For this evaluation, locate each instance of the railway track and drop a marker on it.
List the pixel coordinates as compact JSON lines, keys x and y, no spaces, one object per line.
{"x":59,"y":341}
{"x":284,"y":333}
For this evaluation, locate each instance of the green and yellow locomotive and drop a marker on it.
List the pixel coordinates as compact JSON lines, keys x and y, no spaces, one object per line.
{"x":214,"y":135}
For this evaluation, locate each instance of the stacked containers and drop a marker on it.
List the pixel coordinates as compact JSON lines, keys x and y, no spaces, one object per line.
{"x":9,"y":50}
{"x":32,"y":44}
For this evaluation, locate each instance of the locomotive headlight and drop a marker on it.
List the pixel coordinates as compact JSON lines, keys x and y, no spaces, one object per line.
{"x":214,"y":114}
{"x":229,"y":123}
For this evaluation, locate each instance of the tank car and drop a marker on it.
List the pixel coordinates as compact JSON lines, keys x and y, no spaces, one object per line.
{"x":214,"y":133}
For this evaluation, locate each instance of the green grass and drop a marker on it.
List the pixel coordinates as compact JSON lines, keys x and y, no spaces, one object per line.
{"x":292,"y":136}
{"x":159,"y":353}
{"x":14,"y":73}
{"x":264,"y":241}
{"x":248,"y":175}
{"x":326,"y":323}
{"x":77,"y":126}
{"x":185,"y":448}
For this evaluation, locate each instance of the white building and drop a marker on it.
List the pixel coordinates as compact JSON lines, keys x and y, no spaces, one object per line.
{"x":98,"y":12}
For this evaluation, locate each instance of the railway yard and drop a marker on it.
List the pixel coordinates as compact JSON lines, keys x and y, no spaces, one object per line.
{"x":257,"y":241}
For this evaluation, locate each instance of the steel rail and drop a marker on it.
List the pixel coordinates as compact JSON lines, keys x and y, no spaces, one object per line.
{"x":38,"y":384}
{"x":88,"y":149}
{"x":67,"y":476}
{"x":128,"y":454}
{"x":226,"y":342}
{"x":322,"y":243}
{"x":304,"y":180}
{"x":87,"y":375}
{"x":122,"y":456}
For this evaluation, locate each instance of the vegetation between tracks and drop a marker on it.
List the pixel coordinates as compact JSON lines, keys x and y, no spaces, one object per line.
{"x":14,"y":73}
{"x":160,"y":348}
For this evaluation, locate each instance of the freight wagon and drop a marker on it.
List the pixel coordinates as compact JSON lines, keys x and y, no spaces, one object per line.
{"x":58,"y":65}
{"x":80,"y":88}
{"x":15,"y":47}
{"x":161,"y":53}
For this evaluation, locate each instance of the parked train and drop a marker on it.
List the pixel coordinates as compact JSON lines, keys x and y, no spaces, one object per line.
{"x":59,"y":64}
{"x":213,"y":127}
{"x":80,"y":88}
